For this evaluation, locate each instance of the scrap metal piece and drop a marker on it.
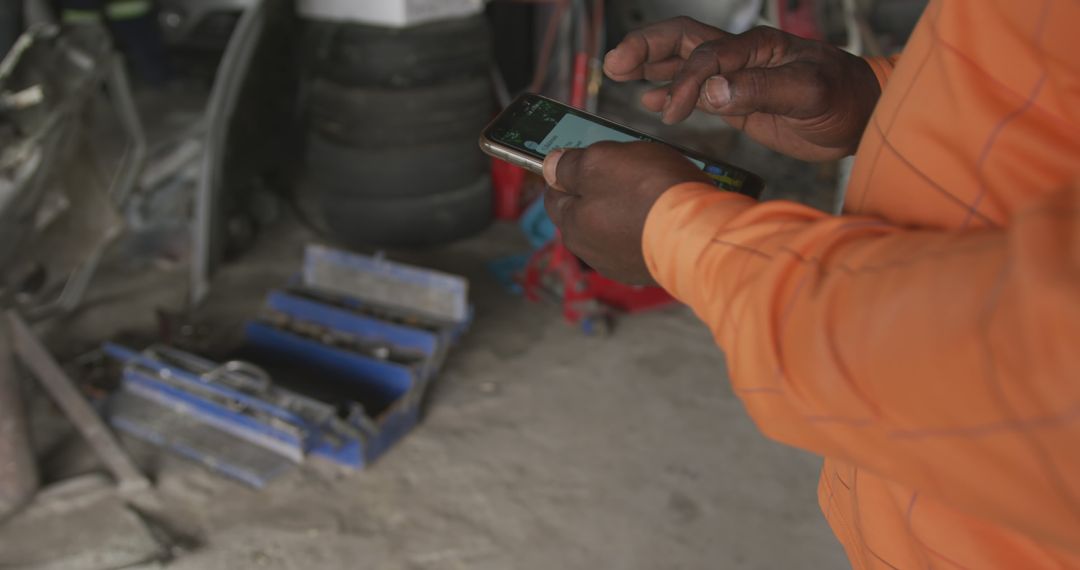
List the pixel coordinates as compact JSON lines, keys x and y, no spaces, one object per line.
{"x":48,"y":82}
{"x":18,"y":470}
{"x":42,"y":365}
{"x":208,"y":233}
{"x":23,"y":99}
{"x":127,"y":113}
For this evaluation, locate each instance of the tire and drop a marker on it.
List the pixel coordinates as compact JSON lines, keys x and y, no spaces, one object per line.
{"x":364,"y":117}
{"x":371,"y":56}
{"x":394,"y":171}
{"x":359,"y":221}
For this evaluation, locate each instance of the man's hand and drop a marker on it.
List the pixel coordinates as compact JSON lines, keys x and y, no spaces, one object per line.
{"x":600,"y":196}
{"x":803,"y":98}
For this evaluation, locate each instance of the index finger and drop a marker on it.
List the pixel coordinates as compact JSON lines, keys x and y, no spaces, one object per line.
{"x":656,"y":52}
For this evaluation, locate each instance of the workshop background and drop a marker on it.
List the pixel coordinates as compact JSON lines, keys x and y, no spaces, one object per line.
{"x":267,"y":305}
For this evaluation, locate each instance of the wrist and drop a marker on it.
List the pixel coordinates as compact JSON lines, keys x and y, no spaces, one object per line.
{"x":866,"y":91}
{"x":882,"y":68}
{"x":674,"y":209}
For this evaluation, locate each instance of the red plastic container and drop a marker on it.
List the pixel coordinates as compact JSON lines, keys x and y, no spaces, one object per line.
{"x":508,"y":185}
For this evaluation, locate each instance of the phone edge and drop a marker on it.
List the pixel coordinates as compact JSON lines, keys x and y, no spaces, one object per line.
{"x":510,"y":155}
{"x":536,"y":166}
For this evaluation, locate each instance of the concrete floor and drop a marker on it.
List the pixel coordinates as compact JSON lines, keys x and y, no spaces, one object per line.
{"x":540,"y":449}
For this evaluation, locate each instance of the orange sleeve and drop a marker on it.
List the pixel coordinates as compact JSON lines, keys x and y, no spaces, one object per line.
{"x":883,"y":67}
{"x":943,"y":360}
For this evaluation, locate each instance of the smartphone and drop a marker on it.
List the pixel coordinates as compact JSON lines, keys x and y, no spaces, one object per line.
{"x":533,"y":125}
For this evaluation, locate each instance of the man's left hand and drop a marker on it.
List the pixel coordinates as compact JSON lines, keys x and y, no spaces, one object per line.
{"x":600,"y":196}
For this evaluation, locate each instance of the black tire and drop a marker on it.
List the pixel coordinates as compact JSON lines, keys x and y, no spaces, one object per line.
{"x":393,"y":171}
{"x":365,"y":117}
{"x":371,"y":56}
{"x":361,"y":221}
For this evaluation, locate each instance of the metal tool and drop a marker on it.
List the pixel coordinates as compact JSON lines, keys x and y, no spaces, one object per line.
{"x":370,"y":346}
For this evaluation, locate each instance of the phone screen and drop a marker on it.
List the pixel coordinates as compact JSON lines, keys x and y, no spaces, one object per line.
{"x":535,"y":125}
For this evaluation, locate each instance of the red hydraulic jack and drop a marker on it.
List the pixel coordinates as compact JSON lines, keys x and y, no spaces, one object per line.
{"x":588,"y":299}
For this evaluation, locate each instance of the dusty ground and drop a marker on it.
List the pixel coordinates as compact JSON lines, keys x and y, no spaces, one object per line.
{"x":540,"y":449}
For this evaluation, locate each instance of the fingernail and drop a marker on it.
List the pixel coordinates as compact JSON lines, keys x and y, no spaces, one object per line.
{"x":551,"y":169}
{"x":717,"y":91}
{"x":667,"y":103}
{"x":611,"y":59}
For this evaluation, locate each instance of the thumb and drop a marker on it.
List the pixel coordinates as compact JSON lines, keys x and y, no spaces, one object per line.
{"x":796,"y":90}
{"x":551,"y":169}
{"x":561,"y":170}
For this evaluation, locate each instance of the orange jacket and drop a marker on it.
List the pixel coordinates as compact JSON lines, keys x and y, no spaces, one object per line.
{"x":927,"y":342}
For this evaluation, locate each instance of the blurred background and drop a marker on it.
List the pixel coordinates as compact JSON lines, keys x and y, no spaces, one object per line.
{"x":267,"y":305}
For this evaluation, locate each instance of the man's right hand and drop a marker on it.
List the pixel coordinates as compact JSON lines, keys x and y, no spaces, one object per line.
{"x":803,"y":98}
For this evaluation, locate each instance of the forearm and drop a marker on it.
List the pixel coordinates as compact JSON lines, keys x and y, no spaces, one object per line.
{"x":934,"y":358}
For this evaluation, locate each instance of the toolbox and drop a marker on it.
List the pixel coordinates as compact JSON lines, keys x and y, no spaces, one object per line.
{"x":334,"y":366}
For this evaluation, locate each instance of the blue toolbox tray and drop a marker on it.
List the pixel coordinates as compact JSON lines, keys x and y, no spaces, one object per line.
{"x":321,"y":373}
